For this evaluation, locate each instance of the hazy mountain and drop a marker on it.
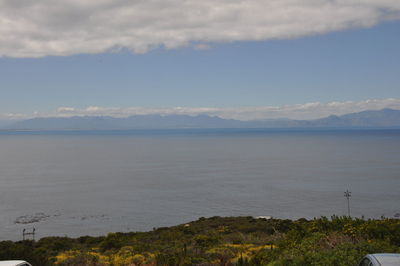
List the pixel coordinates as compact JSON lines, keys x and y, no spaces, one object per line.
{"x":65,"y":123}
{"x":6,"y":123}
{"x":366,"y":119}
{"x":132,"y":122}
{"x":381,"y":118}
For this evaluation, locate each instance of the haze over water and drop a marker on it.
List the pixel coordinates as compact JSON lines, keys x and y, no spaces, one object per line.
{"x":93,"y":183}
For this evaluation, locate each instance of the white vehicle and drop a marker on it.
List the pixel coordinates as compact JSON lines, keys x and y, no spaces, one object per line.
{"x":379,"y":259}
{"x":14,"y":263}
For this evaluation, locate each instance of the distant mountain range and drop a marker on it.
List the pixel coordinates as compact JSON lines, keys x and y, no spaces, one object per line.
{"x":386,"y":118}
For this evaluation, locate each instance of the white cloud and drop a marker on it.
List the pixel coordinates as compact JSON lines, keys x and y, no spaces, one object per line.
{"x":296,"y":111}
{"x":46,"y":27}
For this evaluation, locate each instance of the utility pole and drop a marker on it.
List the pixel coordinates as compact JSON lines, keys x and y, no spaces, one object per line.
{"x":26,"y":233}
{"x":347,"y":194}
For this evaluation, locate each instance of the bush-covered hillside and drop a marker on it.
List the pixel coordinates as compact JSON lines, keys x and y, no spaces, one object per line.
{"x":221,"y":241}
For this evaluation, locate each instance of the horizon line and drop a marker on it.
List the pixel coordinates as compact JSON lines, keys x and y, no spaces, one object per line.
{"x":307,"y":111}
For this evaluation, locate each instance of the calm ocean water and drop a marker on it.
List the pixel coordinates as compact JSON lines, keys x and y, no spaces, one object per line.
{"x":79,"y":183}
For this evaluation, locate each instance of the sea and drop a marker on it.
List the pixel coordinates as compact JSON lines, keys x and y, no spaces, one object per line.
{"x":76,"y":183}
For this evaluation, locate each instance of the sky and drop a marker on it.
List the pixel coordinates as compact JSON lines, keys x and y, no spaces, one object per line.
{"x":243,"y":59}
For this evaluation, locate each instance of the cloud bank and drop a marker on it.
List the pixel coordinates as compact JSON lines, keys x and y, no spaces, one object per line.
{"x":46,"y":27}
{"x":297,"y":111}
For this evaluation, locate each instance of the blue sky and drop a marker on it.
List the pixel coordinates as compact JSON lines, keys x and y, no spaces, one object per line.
{"x":354,"y":64}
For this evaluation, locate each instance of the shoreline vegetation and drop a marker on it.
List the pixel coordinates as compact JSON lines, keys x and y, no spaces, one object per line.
{"x":221,"y":241}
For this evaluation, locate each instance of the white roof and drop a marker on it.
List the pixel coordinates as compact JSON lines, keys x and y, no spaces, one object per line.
{"x":12,"y":262}
{"x":264,"y":217}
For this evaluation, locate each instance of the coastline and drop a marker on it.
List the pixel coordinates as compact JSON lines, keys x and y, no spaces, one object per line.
{"x":217,"y":240}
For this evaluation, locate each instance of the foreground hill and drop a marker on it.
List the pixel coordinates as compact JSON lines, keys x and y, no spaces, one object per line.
{"x":387,"y":118}
{"x":221,"y":241}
